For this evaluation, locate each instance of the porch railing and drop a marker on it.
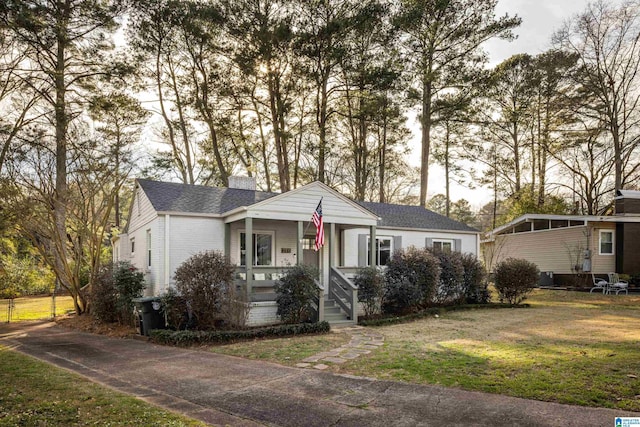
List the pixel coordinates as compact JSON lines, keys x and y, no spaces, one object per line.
{"x":343,"y":292}
{"x":264,"y":279}
{"x":318,"y":304}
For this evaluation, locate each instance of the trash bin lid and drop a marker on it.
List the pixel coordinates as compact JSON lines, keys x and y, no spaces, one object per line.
{"x":145,"y":301}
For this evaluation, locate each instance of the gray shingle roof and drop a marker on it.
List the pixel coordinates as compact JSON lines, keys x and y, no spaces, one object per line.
{"x":173,"y":197}
{"x":413,"y":217}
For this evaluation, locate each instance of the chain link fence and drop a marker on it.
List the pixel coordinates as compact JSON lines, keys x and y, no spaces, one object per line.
{"x":41,"y":307}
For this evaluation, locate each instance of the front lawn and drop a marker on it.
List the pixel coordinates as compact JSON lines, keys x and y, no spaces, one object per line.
{"x":568,"y":347}
{"x":34,"y":393}
{"x":35,"y":308}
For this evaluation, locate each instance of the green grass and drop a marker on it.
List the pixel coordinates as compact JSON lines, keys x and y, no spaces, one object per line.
{"x":35,"y":308}
{"x":287,"y":351}
{"x":34,"y":393}
{"x":568,"y":347}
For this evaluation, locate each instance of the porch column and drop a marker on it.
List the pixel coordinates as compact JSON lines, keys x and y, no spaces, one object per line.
{"x":227,"y":240}
{"x":299,"y":257}
{"x":332,"y":249}
{"x":248,"y":257}
{"x":372,"y":246}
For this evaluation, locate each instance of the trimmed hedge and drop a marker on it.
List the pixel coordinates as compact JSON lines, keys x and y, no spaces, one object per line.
{"x":433,"y":311}
{"x":187,"y":338}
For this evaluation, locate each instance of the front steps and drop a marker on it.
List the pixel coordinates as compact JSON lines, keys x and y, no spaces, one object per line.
{"x":334,"y":314}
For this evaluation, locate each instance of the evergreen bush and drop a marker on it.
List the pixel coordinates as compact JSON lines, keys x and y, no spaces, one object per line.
{"x":296,"y":291}
{"x":514,"y":279}
{"x":186,"y":338}
{"x":370,"y":283}
{"x":410,"y":280}
{"x":450,"y":288}
{"x":113,"y":292}
{"x":474,"y":281}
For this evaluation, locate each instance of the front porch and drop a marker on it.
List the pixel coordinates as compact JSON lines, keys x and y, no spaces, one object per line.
{"x":267,"y":238}
{"x":337,"y":302}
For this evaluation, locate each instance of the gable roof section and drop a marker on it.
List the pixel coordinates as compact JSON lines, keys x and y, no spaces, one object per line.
{"x":300,"y":203}
{"x":204,"y":200}
{"x":199,"y":199}
{"x":403,"y":216}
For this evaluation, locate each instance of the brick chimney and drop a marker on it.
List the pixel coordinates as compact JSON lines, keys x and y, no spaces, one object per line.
{"x":242,"y":182}
{"x":627,"y":203}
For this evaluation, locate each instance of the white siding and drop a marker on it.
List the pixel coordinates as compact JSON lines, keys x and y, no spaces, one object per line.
{"x":121,"y":248}
{"x":409,"y":238}
{"x":556,"y":250}
{"x":262,"y":314}
{"x":299,"y":205}
{"x":189,"y":236}
{"x":142,"y":211}
{"x":139,"y":257}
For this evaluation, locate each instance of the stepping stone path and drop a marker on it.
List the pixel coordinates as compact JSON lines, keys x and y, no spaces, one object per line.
{"x":363,"y":341}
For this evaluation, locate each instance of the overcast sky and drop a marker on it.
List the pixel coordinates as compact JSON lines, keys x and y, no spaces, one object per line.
{"x":540,"y":19}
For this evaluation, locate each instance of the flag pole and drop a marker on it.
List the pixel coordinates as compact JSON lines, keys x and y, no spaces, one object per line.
{"x":309,"y":222}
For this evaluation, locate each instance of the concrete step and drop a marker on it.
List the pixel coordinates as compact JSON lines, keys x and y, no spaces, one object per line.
{"x":335,"y":317}
{"x":329,"y":302}
{"x":332,"y":310}
{"x":341,"y":323}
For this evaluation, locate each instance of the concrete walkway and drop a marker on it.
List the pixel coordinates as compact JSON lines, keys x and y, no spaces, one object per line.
{"x":225,"y":390}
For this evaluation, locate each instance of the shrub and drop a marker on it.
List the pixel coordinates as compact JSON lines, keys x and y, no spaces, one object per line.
{"x":113,"y":292}
{"x":129,"y":283}
{"x":370,"y":283}
{"x":185,"y":338}
{"x":175,"y":310}
{"x":450,"y":286}
{"x":235,"y":308}
{"x":104,"y":296}
{"x":410,"y":280}
{"x":474,"y":281}
{"x":514,"y":279}
{"x":296,"y":291}
{"x":205,"y":281}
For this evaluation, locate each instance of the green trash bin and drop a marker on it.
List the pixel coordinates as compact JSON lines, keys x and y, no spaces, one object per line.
{"x":150,"y":314}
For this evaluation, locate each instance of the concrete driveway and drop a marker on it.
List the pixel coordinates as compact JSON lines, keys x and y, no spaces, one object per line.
{"x":226,"y":390}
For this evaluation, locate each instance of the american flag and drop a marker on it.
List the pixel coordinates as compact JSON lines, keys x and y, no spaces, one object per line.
{"x":317,"y":221}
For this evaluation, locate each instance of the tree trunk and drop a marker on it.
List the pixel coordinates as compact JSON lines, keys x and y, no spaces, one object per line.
{"x":427,"y":87}
{"x":276,"y":121}
{"x":263,"y":141}
{"x":165,"y":115}
{"x":60,"y":197}
{"x":382,"y":167}
{"x":322,"y":127}
{"x":446,"y":172}
{"x":183,"y":124}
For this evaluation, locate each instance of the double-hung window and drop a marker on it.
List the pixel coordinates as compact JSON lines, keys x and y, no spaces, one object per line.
{"x":148,"y":248}
{"x":445,"y":245}
{"x":383,"y":250}
{"x":606,"y":242}
{"x":262,"y":245}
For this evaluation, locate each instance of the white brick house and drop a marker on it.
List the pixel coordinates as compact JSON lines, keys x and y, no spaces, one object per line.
{"x":169,"y":222}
